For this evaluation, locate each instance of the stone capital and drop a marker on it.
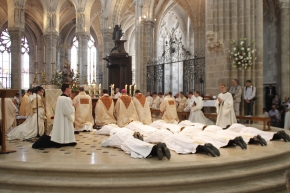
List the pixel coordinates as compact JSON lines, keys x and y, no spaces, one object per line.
{"x":149,"y":22}
{"x":284,"y":4}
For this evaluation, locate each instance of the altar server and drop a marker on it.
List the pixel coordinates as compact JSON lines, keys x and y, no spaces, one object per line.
{"x":104,"y":110}
{"x":63,"y":128}
{"x":195,"y":106}
{"x":224,"y":107}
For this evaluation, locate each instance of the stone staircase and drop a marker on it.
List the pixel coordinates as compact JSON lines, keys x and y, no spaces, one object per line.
{"x":261,"y":174}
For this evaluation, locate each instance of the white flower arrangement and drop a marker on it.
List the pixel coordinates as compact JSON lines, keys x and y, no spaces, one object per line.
{"x":243,"y":56}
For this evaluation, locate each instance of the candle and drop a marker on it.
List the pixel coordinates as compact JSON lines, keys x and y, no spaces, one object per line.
{"x":100,"y":88}
{"x":44,"y":54}
{"x":36,"y":53}
{"x":135,"y":87}
{"x":130,"y":90}
{"x":126,"y":87}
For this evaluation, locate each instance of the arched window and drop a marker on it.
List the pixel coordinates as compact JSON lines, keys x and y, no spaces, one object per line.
{"x":91,"y":58}
{"x":25,"y":63}
{"x":74,"y":54}
{"x":5,"y":59}
{"x":91,"y":71}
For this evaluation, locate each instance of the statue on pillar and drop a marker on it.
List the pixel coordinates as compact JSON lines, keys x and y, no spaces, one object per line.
{"x":67,"y":74}
{"x":117,"y":34}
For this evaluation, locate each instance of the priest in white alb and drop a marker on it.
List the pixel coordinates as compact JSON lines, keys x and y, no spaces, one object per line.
{"x":168,"y":109}
{"x":63,"y":128}
{"x":196,"y":115}
{"x":83,"y":111}
{"x":225,"y":108}
{"x":104,"y":110}
{"x":125,"y":111}
{"x":287,"y":118}
{"x":10,"y":114}
{"x":29,"y":127}
{"x":142,"y":108}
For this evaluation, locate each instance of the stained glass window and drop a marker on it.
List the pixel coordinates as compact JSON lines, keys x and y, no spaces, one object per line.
{"x":91,"y":58}
{"x":5,"y":61}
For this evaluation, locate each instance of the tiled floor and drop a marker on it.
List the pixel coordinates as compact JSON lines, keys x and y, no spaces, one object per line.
{"x":89,"y":151}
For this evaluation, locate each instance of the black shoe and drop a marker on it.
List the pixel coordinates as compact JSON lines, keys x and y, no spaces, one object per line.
{"x":284,"y":135}
{"x":77,"y":132}
{"x":238,"y":142}
{"x":159,"y":151}
{"x":207,"y":148}
{"x":262,"y":140}
{"x":243,"y":142}
{"x":166,"y":151}
{"x":215,"y":150}
{"x":135,"y":135}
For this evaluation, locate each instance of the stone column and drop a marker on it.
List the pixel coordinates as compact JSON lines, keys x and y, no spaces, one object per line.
{"x":258,"y":68}
{"x":51,"y":50}
{"x":146,"y":51}
{"x":15,"y":35}
{"x":285,"y":48}
{"x":108,"y":45}
{"x":82,"y":57}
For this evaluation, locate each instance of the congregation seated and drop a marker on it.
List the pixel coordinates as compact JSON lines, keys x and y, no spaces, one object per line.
{"x":275,"y":116}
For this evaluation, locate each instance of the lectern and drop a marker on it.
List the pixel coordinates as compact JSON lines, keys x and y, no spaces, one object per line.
{"x":119,"y":62}
{"x":5,"y":93}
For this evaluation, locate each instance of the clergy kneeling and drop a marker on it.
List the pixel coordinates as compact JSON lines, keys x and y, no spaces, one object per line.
{"x":142,"y":108}
{"x":63,"y":129}
{"x":125,"y":111}
{"x":168,"y":109}
{"x":225,"y":108}
{"x":196,"y":115}
{"x":31,"y":127}
{"x":83,"y":111}
{"x":104,"y":110}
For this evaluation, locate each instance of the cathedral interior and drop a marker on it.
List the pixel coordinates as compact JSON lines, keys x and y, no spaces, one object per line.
{"x":175,"y":45}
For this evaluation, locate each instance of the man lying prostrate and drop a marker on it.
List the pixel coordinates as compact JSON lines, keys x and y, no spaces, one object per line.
{"x":199,"y":136}
{"x":136,"y":148}
{"x":105,"y":130}
{"x":233,"y":137}
{"x":184,"y":145}
{"x":257,"y":135}
{"x":159,"y":123}
{"x":144,"y":130}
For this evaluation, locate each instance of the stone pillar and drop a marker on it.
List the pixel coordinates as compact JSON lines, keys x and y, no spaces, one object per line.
{"x":258,"y":68}
{"x":146,"y":51}
{"x":15,"y":36}
{"x":285,"y":48}
{"x":82,"y":57}
{"x":108,"y":45}
{"x":51,"y":50}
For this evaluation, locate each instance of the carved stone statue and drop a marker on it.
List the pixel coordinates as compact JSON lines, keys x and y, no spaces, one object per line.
{"x":67,"y":74}
{"x":117,"y":34}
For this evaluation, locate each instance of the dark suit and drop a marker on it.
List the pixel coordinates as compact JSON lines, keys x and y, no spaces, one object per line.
{"x":270,"y":94}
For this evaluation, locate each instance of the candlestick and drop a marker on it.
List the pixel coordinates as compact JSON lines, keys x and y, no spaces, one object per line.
{"x":130,"y":90}
{"x":126,"y":87}
{"x":100,"y":87}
